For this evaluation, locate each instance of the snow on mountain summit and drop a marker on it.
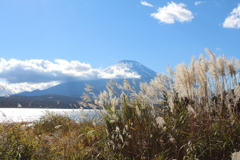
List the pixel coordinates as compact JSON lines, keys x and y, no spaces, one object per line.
{"x":127,"y":69}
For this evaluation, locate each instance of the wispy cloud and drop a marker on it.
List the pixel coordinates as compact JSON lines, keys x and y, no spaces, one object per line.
{"x":146,"y":4}
{"x":13,"y":88}
{"x":233,"y":20}
{"x":218,"y":49}
{"x":18,"y":76}
{"x":173,"y":12}
{"x":198,"y":2}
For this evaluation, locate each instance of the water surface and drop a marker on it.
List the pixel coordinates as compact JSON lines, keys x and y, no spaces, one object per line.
{"x":32,"y":114}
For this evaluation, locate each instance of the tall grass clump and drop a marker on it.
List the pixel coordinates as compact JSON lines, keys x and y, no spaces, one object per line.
{"x":16,"y":142}
{"x":192,"y":113}
{"x":53,"y":136}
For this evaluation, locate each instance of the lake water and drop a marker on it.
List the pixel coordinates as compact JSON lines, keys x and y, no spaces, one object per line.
{"x":32,"y":114}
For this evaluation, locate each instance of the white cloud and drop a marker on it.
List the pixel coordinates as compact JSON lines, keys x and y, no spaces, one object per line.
{"x":173,"y":12}
{"x":18,"y":76}
{"x":146,"y":4}
{"x":13,"y":88}
{"x":233,"y":20}
{"x":38,"y":70}
{"x":198,"y":2}
{"x":218,"y":49}
{"x":115,"y":72}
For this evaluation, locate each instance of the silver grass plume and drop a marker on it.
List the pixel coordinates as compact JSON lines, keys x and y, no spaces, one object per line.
{"x":86,"y":97}
{"x":221,"y":63}
{"x":119,"y":86}
{"x":231,"y":70}
{"x":172,"y":74}
{"x":237,"y":96}
{"x":192,"y":77}
{"x":162,"y":88}
{"x":191,"y":110}
{"x":114,"y":103}
{"x":201,"y":69}
{"x":88,"y":87}
{"x":236,"y":156}
{"x":185,"y":80}
{"x":230,"y":65}
{"x":214,"y":74}
{"x":138,"y":111}
{"x":127,"y":86}
{"x":160,"y":122}
{"x":110,"y":90}
{"x":213,"y":70}
{"x":161,"y":84}
{"x":110,"y":87}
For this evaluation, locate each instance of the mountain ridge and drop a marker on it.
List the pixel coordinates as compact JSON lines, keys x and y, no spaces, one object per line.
{"x":125,"y":69}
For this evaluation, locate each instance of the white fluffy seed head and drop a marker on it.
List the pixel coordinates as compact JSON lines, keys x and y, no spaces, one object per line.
{"x":138,"y":111}
{"x":126,"y":85}
{"x":126,"y":127}
{"x":236,"y":156}
{"x":160,"y":121}
{"x":117,"y":130}
{"x":221,"y":62}
{"x":121,"y":138}
{"x":19,"y":105}
{"x":191,"y":110}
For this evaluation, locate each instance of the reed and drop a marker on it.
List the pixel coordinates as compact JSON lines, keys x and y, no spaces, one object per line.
{"x":190,"y":114}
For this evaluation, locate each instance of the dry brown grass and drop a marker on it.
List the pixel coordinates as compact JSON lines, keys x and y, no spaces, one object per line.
{"x":192,"y":113}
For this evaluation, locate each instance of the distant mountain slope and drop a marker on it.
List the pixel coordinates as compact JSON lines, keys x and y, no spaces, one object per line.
{"x":43,"y":101}
{"x":76,"y":89}
{"x":122,"y":70}
{"x":72,"y":89}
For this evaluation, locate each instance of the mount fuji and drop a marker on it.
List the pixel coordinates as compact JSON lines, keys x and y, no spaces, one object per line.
{"x":125,"y":69}
{"x":128,"y":69}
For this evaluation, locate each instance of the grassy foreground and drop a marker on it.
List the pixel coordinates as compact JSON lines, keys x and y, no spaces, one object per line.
{"x":191,"y":114}
{"x":54,"y":136}
{"x":179,"y":136}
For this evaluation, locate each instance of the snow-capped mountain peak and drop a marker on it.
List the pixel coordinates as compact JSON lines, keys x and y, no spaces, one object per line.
{"x":127,"y":69}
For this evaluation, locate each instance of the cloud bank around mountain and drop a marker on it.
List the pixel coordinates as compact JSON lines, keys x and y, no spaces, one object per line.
{"x":38,"y":70}
{"x":233,"y":20}
{"x":173,"y":12}
{"x":17,"y":76}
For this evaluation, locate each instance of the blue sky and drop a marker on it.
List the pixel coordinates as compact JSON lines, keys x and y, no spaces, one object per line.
{"x":47,"y":38}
